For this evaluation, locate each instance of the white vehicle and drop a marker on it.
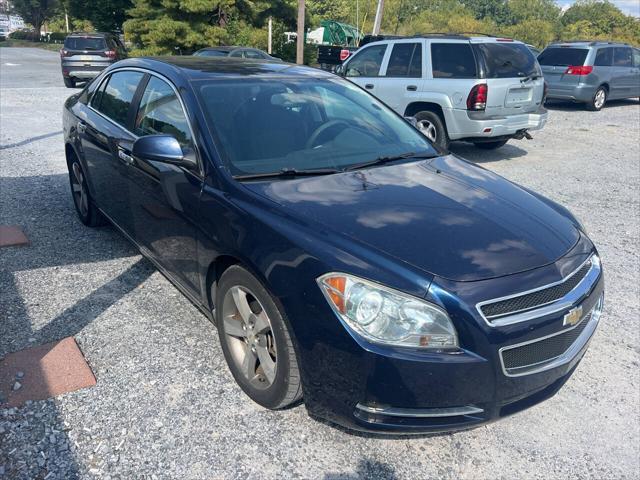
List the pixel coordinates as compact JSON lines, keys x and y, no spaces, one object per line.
{"x":483,"y":90}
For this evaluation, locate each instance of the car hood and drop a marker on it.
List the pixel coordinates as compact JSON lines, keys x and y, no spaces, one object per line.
{"x":445,"y":216}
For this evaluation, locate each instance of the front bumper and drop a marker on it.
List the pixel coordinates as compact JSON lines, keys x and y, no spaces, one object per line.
{"x":386,"y":390}
{"x":464,"y":124}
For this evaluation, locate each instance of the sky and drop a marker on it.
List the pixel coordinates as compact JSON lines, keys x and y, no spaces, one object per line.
{"x":630,"y":7}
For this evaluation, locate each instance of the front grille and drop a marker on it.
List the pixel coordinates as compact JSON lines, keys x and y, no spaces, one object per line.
{"x":535,"y":299}
{"x":534,"y":355}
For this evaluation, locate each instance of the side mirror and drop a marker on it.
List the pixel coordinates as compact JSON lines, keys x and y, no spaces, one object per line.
{"x":160,"y":148}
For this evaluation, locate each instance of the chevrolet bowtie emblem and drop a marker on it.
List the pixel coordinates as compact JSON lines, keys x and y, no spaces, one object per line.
{"x":573,"y":317}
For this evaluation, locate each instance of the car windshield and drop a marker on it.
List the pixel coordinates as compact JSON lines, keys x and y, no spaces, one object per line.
{"x":84,"y":43}
{"x":272,"y":125}
{"x":563,"y":57}
{"x":212,"y":53}
{"x":508,"y":60}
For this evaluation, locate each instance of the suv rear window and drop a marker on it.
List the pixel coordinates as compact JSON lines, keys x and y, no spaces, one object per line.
{"x":563,"y":56}
{"x":453,"y":60}
{"x":85,"y":43}
{"x":508,"y":60}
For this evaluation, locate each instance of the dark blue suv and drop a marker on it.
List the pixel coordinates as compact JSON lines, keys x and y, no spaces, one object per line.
{"x":344,"y":259}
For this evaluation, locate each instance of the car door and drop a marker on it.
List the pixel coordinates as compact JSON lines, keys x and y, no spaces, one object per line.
{"x":103,"y":131}
{"x":164,"y":197}
{"x":364,"y":67}
{"x":623,"y":78}
{"x":401,"y":80}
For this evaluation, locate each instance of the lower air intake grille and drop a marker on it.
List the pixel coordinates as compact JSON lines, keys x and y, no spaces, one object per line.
{"x":534,"y":355}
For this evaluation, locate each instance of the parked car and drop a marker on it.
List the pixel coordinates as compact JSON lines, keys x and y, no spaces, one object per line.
{"x":483,"y":90}
{"x":591,"y":72}
{"x":534,"y":50}
{"x":341,"y":255}
{"x":4,"y":33}
{"x":85,"y":55}
{"x":235,"y":52}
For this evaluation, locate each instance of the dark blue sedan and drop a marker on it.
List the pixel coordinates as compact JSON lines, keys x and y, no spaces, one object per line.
{"x":344,"y":259}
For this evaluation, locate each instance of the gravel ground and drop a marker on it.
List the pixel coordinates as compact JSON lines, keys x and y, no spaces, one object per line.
{"x":165,"y":405}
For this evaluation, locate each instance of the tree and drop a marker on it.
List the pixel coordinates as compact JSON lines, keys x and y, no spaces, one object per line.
{"x":105,"y":15}
{"x":36,"y":12}
{"x":494,"y":10}
{"x":600,"y":19}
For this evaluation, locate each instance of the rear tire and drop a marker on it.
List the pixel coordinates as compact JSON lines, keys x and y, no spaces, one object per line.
{"x":598,"y":100}
{"x":255,"y":340}
{"x":69,"y":82}
{"x":88,"y":213}
{"x":432,"y":126}
{"x":491,"y":145}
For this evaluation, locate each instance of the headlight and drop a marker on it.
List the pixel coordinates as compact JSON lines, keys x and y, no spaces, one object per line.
{"x":385,"y":316}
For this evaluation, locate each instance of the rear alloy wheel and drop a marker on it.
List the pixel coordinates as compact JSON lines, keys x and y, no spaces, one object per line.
{"x":69,"y":82}
{"x":598,"y":100}
{"x":255,"y":340}
{"x":432,"y":127}
{"x":491,"y":145}
{"x":87,"y":211}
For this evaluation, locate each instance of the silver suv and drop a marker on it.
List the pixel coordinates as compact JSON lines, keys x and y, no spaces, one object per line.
{"x":483,"y":90}
{"x":591,"y":72}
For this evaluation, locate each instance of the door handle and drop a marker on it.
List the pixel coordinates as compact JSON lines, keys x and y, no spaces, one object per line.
{"x":125,"y":157}
{"x":412,"y":88}
{"x":369,"y":86}
{"x":82,"y":127}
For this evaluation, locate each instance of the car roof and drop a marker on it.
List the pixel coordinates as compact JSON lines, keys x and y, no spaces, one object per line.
{"x":221,"y":48}
{"x":197,"y":68}
{"x":90,"y":34}
{"x":586,"y":43}
{"x":474,"y":38}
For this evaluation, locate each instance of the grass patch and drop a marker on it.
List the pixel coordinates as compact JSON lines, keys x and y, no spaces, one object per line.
{"x":54,"y":47}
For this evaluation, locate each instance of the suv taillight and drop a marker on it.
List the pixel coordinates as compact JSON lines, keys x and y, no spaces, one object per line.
{"x":110,"y":53}
{"x":579,"y":70}
{"x":64,"y":53}
{"x":344,"y":54}
{"x":477,"y":99}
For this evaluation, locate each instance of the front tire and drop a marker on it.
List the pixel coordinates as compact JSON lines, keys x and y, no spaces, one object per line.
{"x":491,"y":145}
{"x":69,"y":82}
{"x":598,"y":100}
{"x":87,"y":212}
{"x":432,"y":126}
{"x":255,"y":340}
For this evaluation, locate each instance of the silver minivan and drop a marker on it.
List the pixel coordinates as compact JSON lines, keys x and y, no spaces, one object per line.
{"x":591,"y":72}
{"x":484,"y":90}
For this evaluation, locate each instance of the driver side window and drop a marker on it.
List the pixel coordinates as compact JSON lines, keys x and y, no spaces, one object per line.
{"x":367,"y":62}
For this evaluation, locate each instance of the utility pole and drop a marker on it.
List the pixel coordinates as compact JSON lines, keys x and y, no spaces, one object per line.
{"x":270,"y":36}
{"x":378,"y":20}
{"x":300,"y":39}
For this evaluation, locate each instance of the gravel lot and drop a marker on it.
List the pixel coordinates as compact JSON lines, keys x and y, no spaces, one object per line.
{"x":165,"y":405}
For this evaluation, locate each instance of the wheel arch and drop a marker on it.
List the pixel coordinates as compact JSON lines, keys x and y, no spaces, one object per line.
{"x":416,"y":107}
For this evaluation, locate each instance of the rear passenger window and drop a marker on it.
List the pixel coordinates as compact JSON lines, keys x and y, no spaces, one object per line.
{"x":636,"y":58}
{"x":115,"y":100}
{"x":405,"y":60}
{"x":622,"y":57}
{"x":604,"y":57}
{"x":453,"y":60}
{"x":160,"y":112}
{"x":367,"y":62}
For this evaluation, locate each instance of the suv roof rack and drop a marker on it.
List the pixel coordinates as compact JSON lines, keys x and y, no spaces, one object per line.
{"x":590,"y":42}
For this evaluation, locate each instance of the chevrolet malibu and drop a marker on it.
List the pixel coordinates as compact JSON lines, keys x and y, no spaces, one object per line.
{"x":346,"y":261}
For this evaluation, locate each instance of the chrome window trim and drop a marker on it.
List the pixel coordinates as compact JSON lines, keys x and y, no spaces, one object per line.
{"x":581,"y":289}
{"x":421,"y":412}
{"x":563,"y":358}
{"x":175,"y":90}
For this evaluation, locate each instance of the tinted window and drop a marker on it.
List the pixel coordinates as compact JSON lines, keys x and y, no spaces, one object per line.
{"x":211,"y":53}
{"x":116,"y":98}
{"x":636,"y":57}
{"x":253,"y":54}
{"x":266,"y":125}
{"x":453,"y":60}
{"x":604,"y":57}
{"x":85,"y":43}
{"x":366,"y":63}
{"x":563,"y":57}
{"x":405,"y":60}
{"x":160,"y":112}
{"x":508,"y":60}
{"x":622,"y":57}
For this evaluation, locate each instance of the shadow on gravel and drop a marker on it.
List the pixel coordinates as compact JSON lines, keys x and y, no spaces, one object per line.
{"x":366,"y":469}
{"x":30,"y":140}
{"x":579,"y":107}
{"x":474,"y":154}
{"x":33,"y":439}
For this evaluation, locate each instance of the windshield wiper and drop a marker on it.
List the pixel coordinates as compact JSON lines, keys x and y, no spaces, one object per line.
{"x":288,"y":172}
{"x":533,"y":76}
{"x":390,"y":158}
